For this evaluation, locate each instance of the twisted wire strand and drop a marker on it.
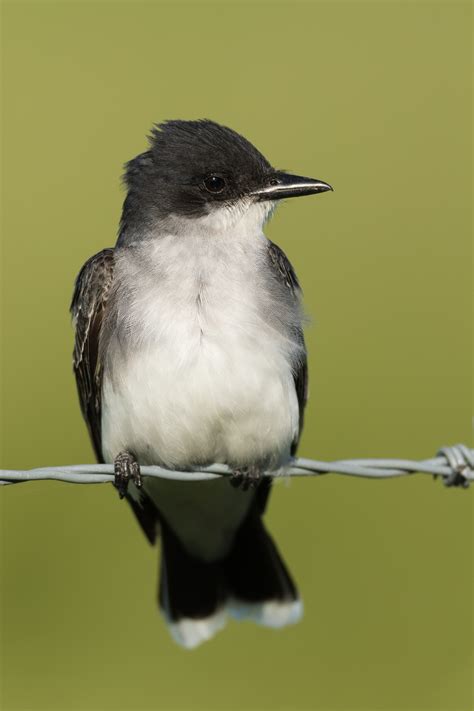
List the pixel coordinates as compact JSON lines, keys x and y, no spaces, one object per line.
{"x":454,"y":464}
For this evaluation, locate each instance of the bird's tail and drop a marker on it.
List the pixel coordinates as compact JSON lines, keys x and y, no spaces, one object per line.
{"x":252,"y":583}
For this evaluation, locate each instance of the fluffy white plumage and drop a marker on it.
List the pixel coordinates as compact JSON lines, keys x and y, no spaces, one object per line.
{"x":206,"y":378}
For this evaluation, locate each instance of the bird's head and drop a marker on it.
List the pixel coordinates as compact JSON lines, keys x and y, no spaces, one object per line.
{"x":202,"y":170}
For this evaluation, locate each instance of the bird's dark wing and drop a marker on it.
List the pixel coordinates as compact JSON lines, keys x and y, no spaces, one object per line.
{"x":89,"y":306}
{"x":285,"y":272}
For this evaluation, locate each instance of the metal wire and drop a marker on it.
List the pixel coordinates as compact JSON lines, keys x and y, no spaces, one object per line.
{"x":454,"y":464}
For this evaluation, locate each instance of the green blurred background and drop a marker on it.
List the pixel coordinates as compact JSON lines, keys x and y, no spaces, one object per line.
{"x":373,"y":97}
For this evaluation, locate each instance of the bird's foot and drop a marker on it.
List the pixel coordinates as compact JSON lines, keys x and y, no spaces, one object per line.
{"x":126,"y":467}
{"x":246,"y":478}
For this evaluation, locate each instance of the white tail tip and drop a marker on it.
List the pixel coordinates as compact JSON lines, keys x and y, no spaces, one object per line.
{"x":191,"y":633}
{"x":271,"y":614}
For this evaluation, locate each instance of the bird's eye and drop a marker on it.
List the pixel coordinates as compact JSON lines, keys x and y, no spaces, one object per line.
{"x":214,"y":184}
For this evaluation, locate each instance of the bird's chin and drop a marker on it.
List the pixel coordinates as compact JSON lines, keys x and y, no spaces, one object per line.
{"x":270,"y":207}
{"x":245,"y":216}
{"x":258,"y":212}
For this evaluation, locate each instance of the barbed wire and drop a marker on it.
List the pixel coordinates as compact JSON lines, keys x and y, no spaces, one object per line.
{"x":454,"y":464}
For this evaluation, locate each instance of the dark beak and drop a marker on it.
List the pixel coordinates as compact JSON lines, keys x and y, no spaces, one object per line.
{"x":283,"y":185}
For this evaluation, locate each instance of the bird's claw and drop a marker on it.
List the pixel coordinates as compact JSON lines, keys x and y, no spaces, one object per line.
{"x":245,"y":479}
{"x":126,"y":468}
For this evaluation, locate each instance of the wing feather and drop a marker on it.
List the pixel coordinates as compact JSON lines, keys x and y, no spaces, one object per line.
{"x":285,"y":272}
{"x":89,"y":302}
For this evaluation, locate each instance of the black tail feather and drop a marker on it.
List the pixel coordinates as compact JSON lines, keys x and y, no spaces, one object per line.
{"x":254,"y":570}
{"x":189,"y":588}
{"x":252,"y":574}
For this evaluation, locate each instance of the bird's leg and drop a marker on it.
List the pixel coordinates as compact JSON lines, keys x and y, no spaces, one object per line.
{"x":126,"y":467}
{"x":246,"y":478}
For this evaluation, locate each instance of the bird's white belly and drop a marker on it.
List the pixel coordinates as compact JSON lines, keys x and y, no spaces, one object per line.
{"x":201,"y":403}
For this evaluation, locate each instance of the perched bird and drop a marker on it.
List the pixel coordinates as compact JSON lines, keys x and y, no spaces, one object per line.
{"x":189,"y":350}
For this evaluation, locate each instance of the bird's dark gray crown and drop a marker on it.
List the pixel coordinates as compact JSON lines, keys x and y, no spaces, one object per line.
{"x":190,"y":167}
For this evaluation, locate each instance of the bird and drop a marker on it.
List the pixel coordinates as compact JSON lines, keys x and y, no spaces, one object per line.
{"x":189,"y":350}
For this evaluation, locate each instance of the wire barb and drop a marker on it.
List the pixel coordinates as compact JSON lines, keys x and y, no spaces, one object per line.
{"x":454,"y":464}
{"x":461,"y":461}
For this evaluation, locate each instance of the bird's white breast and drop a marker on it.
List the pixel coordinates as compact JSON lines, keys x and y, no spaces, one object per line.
{"x":202,"y":376}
